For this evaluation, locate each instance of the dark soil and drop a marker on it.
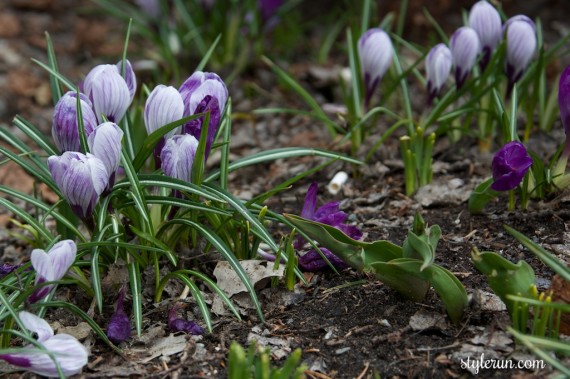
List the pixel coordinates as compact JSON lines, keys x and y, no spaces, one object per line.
{"x":348,"y":325}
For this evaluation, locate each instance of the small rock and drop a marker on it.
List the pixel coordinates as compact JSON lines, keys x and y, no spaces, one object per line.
{"x":342,"y":351}
{"x":488,"y":301}
{"x":422,"y":320}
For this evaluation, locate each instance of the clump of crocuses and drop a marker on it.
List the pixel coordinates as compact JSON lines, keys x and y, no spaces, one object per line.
{"x":329,"y":214}
{"x":510,"y":165}
{"x":119,"y":327}
{"x":65,"y":349}
{"x":375,"y":51}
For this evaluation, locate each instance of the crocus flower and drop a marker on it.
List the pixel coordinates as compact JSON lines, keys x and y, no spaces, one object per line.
{"x":81,"y":179}
{"x":105,"y":144}
{"x":177,"y":324}
{"x":375,"y":51}
{"x":438,"y":66}
{"x":7,"y":268}
{"x":486,"y":21}
{"x":564,"y":106}
{"x":521,"y":45}
{"x":510,"y":164}
{"x":119,"y":328}
{"x":51,"y":266}
{"x":465,"y":47}
{"x":69,"y":353}
{"x":177,"y":156}
{"x":110,"y":93}
{"x":328,"y":214}
{"x":65,"y":130}
{"x":203,"y":92}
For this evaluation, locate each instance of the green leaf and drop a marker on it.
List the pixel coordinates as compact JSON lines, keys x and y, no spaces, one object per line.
{"x":504,"y":277}
{"x":136,"y":292}
{"x":481,"y":195}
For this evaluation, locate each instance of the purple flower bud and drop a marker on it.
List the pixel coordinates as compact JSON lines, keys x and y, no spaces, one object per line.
{"x":81,"y":179}
{"x":109,"y":92}
{"x":486,"y":21}
{"x":69,"y":353}
{"x":203,"y":92}
{"x":564,"y":106}
{"x":312,"y":261}
{"x":65,"y":130}
{"x":465,"y":47}
{"x":119,"y":328}
{"x":51,"y":266}
{"x":510,"y":164}
{"x":163,"y":106}
{"x":521,"y":45}
{"x":438,"y":66}
{"x":518,"y":17}
{"x":177,"y":156}
{"x":7,"y":268}
{"x":105,"y":144}
{"x":176,"y":324}
{"x":375,"y":51}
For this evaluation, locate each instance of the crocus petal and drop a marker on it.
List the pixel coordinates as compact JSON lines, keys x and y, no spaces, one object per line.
{"x":194,"y":127}
{"x":163,"y":106}
{"x":465,"y":47}
{"x":36,"y":325}
{"x":7,"y":268}
{"x":333,"y":219}
{"x":375,"y":51}
{"x":129,"y":77}
{"x":486,"y":21}
{"x":194,"y":82}
{"x":65,"y":128}
{"x":310,"y":204}
{"x":105,"y":144}
{"x":438,"y":67}
{"x":326,"y":210}
{"x":510,"y":165}
{"x":119,"y":328}
{"x":108,"y":92}
{"x":176,"y":324}
{"x":312,"y":261}
{"x":177,"y":156}
{"x":564,"y":105}
{"x":62,"y":256}
{"x":42,"y":264}
{"x":209,"y":87}
{"x":351,"y":231}
{"x":521,"y":45}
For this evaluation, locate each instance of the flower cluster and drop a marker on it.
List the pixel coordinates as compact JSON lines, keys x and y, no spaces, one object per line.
{"x":479,"y":40}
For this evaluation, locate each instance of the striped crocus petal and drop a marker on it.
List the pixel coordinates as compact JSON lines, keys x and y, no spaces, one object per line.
{"x":177,"y":156}
{"x":163,"y":106}
{"x":129,"y":77}
{"x":108,"y":92}
{"x":465,"y":47}
{"x":486,"y":21}
{"x":65,"y":130}
{"x":438,"y":66}
{"x":199,"y":85}
{"x":36,"y":325}
{"x":105,"y":144}
{"x":375,"y":51}
{"x":521,"y":45}
{"x":81,"y":179}
{"x":208,"y":104}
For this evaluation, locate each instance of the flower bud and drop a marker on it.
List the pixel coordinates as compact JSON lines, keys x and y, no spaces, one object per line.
{"x":81,"y":179}
{"x":510,"y":164}
{"x":312,"y":261}
{"x":163,"y":106}
{"x":176,"y":324}
{"x":465,"y":47}
{"x":65,"y":130}
{"x":486,"y":21}
{"x":438,"y":66}
{"x":51,"y":266}
{"x":177,"y":156}
{"x":564,"y":106}
{"x":375,"y":51}
{"x":119,"y":328}
{"x":521,"y":45}
{"x":204,"y":92}
{"x":105,"y":144}
{"x":109,"y":92}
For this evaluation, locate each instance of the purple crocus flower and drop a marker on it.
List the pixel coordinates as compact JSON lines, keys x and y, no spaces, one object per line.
{"x":510,"y":164}
{"x":486,"y":21}
{"x":564,"y":106}
{"x":69,"y":353}
{"x":375,"y":51}
{"x":119,"y":328}
{"x":65,"y":130}
{"x":7,"y":268}
{"x":177,"y":156}
{"x":51,"y":266}
{"x":328,"y":214}
{"x":465,"y":47}
{"x":203,"y":92}
{"x":81,"y":179}
{"x":438,"y":66}
{"x":177,"y":324}
{"x":521,"y":45}
{"x":105,"y":144}
{"x":110,"y":93}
